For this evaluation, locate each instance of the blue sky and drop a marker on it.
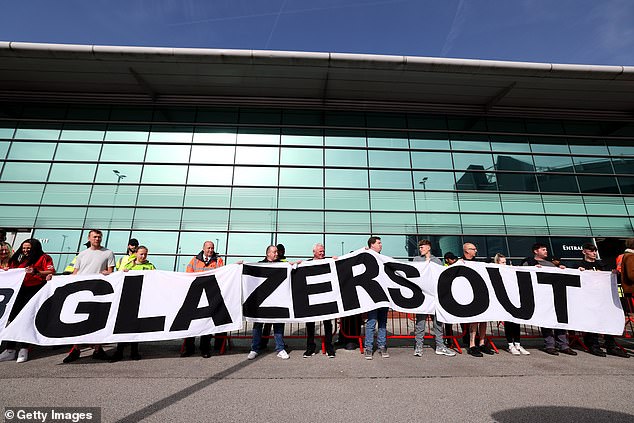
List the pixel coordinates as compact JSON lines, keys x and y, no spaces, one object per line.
{"x":555,"y":31}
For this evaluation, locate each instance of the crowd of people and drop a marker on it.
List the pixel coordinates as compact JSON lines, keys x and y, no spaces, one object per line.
{"x":96,"y":259}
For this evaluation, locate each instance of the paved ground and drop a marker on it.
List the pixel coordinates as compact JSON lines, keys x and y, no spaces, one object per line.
{"x":164,"y":388}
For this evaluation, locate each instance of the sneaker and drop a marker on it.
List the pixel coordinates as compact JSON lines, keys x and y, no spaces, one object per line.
{"x":383,"y":352}
{"x":23,"y":355}
{"x":596,"y":351}
{"x":443,"y":350}
{"x":252,"y":355}
{"x":309,"y":352}
{"x":418,"y":351}
{"x":100,"y":354}
{"x":330,"y":352}
{"x":368,"y":353}
{"x":484,"y":348}
{"x":283,"y":355}
{"x":513,"y":350}
{"x":73,"y":355}
{"x":8,"y":355}
{"x":616,"y":351}
{"x":522,"y":350}
{"x":475,"y":351}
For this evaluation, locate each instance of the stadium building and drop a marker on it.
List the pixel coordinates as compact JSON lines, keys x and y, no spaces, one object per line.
{"x":248,"y":148}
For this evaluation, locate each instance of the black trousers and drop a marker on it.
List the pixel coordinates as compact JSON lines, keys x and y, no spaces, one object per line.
{"x":310,"y":334}
{"x":24,"y":295}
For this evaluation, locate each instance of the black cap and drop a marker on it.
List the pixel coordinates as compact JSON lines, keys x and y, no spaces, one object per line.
{"x":450,"y":255}
{"x":133,"y":241}
{"x":87,"y":244}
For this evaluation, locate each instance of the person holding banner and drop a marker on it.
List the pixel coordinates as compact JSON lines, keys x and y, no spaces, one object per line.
{"x":378,"y":315}
{"x":552,"y":337}
{"x":206,"y":260}
{"x":319,"y":253}
{"x":133,"y":244}
{"x":278,"y":328}
{"x":37,"y":267}
{"x":5,"y":255}
{"x":93,"y":260}
{"x":140,"y":262}
{"x":424,"y":248}
{"x":512,"y":330}
{"x":591,"y":262}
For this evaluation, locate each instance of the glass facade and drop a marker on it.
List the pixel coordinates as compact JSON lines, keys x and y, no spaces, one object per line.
{"x":245,"y":178}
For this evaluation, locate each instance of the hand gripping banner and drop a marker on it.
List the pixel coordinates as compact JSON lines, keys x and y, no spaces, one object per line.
{"x":157,"y":305}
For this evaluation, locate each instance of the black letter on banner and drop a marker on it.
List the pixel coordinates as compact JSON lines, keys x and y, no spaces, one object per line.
{"x":527,"y":299}
{"x":348,"y":283}
{"x":480,"y":292}
{"x":189,"y":311}
{"x":47,"y":320}
{"x":274,"y":278}
{"x":301,"y":290}
{"x":7,"y":294}
{"x":559,"y":283}
{"x":411,"y":272}
{"x":128,"y":315}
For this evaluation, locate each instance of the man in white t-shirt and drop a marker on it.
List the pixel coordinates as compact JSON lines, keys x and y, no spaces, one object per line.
{"x":93,"y":260}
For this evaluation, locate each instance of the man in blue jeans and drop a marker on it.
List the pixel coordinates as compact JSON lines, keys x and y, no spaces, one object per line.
{"x":379,"y":315}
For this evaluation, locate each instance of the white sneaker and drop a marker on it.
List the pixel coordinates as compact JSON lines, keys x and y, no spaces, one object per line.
{"x":283,"y":355}
{"x":252,"y":355}
{"x":8,"y":355}
{"x":23,"y":355}
{"x":418,"y":351}
{"x":521,"y":350}
{"x":513,"y":350}
{"x":443,"y":350}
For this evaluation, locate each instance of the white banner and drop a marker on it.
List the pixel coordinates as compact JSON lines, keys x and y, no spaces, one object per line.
{"x":156,"y":305}
{"x":10,"y":282}
{"x":130,"y":306}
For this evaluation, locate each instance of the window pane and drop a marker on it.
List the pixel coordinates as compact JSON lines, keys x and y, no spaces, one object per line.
{"x":119,"y":195}
{"x":37,"y":131}
{"x":258,"y":198}
{"x":7,"y":129}
{"x":64,"y":217}
{"x":253,"y":220}
{"x":125,"y":174}
{"x":4,"y":147}
{"x":346,"y":178}
{"x":337,"y":199}
{"x":472,"y":161}
{"x":393,"y":223}
{"x":83,"y":132}
{"x":23,"y":172}
{"x":215,"y":135}
{"x":300,"y":221}
{"x":207,"y":196}
{"x":621,"y":150}
{"x":258,"y":176}
{"x":444,"y":223}
{"x":479,"y":202}
{"x":301,"y":198}
{"x":588,"y":147}
{"x":604,"y":205}
{"x":302,"y":156}
{"x":431,"y":160}
{"x":289,"y":138}
{"x":593,"y":165}
{"x":61,"y":172}
{"x":436,"y":201}
{"x":482,"y":223}
{"x":439,"y":142}
{"x":175,"y":134}
{"x":611,"y":226}
{"x":301,"y":177}
{"x":390,"y":179}
{"x":66,"y":194}
{"x":32,"y":150}
{"x":623,"y":165}
{"x":434,"y":180}
{"x":300,"y":246}
{"x":216,"y":154}
{"x":563,"y":204}
{"x":160,"y":196}
{"x":210,"y":175}
{"x":534,"y":224}
{"x":78,"y":152}
{"x":344,"y":138}
{"x":167,"y":154}
{"x":479,"y":181}
{"x":122,"y":153}
{"x":348,"y":222}
{"x":549,"y":145}
{"x":258,"y":136}
{"x":516,"y":162}
{"x":252,"y":244}
{"x":346,"y":158}
{"x":258,"y":155}
{"x":157,"y":242}
{"x":59,"y":241}
{"x":557,"y":183}
{"x":568,"y":225}
{"x":157,"y":174}
{"x":217,"y":115}
{"x":127,"y":133}
{"x":20,"y":193}
{"x":470,"y":145}
{"x":109,"y":217}
{"x":18,"y":216}
{"x":383,"y":158}
{"x":516,"y":181}
{"x":509,"y":143}
{"x":388,"y":139}
{"x":157,"y":218}
{"x":522,"y":203}
{"x":598,"y":184}
{"x":209,"y":219}
{"x":626,"y":183}
{"x":392,"y":200}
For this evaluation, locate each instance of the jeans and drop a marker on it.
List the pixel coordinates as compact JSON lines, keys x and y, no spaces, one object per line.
{"x":278,"y":334}
{"x":380,"y":315}
{"x":419,"y":330}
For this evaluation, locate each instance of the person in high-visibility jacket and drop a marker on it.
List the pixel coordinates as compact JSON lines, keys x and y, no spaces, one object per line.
{"x":133,"y":245}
